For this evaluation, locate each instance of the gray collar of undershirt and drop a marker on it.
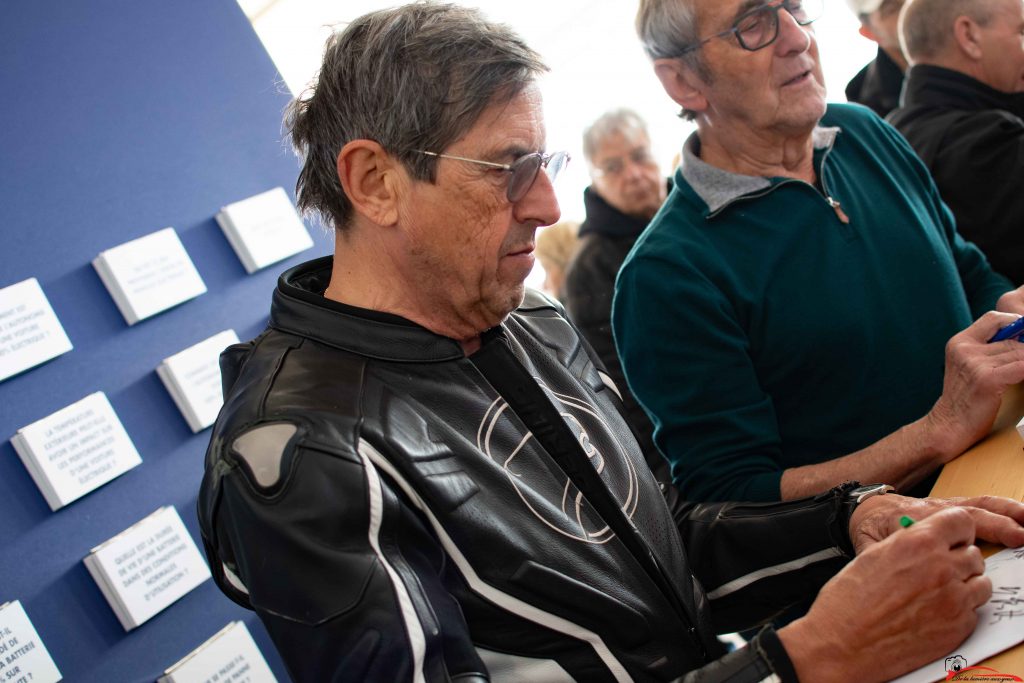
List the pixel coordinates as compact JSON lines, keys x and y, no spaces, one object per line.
{"x":717,"y":187}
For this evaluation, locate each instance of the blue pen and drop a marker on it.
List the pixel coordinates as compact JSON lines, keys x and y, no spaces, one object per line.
{"x":1012,"y":331}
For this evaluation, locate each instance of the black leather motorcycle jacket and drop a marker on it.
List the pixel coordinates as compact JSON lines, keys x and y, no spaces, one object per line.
{"x":390,"y":517}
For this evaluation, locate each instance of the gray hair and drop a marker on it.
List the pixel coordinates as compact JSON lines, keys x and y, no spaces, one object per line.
{"x":666,"y":29}
{"x":926,"y":26}
{"x":415,"y":77}
{"x":609,"y":123}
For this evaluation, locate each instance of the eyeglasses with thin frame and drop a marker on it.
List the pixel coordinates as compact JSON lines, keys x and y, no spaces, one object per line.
{"x":641,"y":156}
{"x":759,"y":27}
{"x":522,"y":172}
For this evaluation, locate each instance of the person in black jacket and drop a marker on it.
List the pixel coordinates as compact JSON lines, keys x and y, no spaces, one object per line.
{"x":963,"y":112}
{"x":627,"y":190}
{"x":878,"y":84}
{"x":419,"y":473}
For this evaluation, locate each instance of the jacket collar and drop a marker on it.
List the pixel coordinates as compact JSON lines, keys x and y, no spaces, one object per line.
{"x":299,"y":307}
{"x":936,"y":85}
{"x":604,"y":219}
{"x":717,"y":187}
{"x":878,"y":85}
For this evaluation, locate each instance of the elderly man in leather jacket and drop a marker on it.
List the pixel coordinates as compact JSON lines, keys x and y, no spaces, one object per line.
{"x":421,"y":473}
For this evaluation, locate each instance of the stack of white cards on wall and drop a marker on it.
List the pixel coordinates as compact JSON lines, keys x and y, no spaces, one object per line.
{"x":146,"y":567}
{"x":264,"y":229}
{"x":149,"y":275}
{"x":76,"y":450}
{"x":30,"y":332}
{"x":229,"y":656}
{"x":192,"y":377}
{"x":23,"y":656}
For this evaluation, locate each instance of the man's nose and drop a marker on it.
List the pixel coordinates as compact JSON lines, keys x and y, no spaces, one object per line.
{"x":540,"y":204}
{"x":792,"y":36}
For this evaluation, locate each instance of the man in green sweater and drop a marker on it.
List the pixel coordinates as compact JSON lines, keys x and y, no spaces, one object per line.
{"x":784,"y":318}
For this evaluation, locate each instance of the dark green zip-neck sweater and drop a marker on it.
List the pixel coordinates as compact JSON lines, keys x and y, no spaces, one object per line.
{"x":761,"y":332}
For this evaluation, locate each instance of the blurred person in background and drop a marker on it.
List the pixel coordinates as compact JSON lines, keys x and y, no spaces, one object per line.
{"x":878,"y":85}
{"x":556,"y":245}
{"x":963,"y":113}
{"x":627,"y":189}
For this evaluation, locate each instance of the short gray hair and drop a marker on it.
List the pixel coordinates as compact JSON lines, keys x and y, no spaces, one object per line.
{"x":415,"y":77}
{"x":926,"y":26}
{"x":666,"y":28}
{"x":609,"y":123}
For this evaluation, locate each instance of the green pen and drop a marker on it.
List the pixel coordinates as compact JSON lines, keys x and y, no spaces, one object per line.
{"x":905,"y":521}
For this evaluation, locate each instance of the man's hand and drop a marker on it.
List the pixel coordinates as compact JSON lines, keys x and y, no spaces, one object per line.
{"x":996,"y":519}
{"x":1012,"y":302}
{"x":905,"y":601}
{"x":976,"y":376}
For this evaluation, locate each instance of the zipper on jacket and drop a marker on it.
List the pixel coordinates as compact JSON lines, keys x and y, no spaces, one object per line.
{"x":836,"y":206}
{"x":832,"y":202}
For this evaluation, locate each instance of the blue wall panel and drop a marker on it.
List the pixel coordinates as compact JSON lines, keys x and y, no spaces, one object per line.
{"x":119,"y":118}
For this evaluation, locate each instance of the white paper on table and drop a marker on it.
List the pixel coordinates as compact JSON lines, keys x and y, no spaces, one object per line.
{"x":1000,"y":621}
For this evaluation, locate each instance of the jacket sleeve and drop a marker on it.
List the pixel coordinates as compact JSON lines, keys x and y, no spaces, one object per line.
{"x":754,"y":560}
{"x":687,"y":358}
{"x":762,"y":659}
{"x":344,"y":575}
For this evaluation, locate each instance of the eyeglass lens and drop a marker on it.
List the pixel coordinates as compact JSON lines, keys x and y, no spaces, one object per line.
{"x":760,"y":27}
{"x":525,"y":169}
{"x":613,"y":167}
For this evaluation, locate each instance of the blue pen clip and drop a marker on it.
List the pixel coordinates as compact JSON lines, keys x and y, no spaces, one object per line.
{"x":1012,"y":331}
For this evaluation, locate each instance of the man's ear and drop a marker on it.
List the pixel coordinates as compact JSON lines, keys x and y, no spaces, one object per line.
{"x":967,"y":37}
{"x":682,"y":84}
{"x":371,"y":179}
{"x":866,"y":31}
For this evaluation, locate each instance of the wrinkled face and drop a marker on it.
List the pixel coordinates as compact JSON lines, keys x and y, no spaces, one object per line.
{"x":777,"y":89}
{"x":468,"y":248}
{"x":1002,"y":44}
{"x":626,"y":175}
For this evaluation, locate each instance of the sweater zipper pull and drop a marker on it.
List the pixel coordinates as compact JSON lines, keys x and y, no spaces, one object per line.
{"x":837,"y":207}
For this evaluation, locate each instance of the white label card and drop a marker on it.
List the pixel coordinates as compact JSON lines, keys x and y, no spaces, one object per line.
{"x":150,"y":565}
{"x":23,"y":656}
{"x":150,"y":274}
{"x":230,"y":656}
{"x":193,"y":378}
{"x":30,"y":332}
{"x":78,"y":448}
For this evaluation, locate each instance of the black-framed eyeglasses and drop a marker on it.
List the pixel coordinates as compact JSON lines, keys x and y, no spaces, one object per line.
{"x":759,"y":27}
{"x":522,"y":172}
